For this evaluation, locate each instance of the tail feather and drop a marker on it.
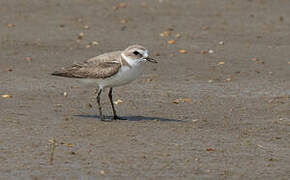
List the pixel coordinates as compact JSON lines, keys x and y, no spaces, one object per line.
{"x":58,"y":73}
{"x":62,"y":74}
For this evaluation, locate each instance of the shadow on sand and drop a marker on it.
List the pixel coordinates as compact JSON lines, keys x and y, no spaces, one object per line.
{"x":133,"y":118}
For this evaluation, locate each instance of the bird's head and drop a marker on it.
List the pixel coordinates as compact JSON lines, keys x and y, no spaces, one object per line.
{"x":137,"y":54}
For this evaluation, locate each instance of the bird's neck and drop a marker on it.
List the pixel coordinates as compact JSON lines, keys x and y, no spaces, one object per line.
{"x":125,"y":61}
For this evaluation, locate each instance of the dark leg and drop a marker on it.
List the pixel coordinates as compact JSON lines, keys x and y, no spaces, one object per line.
{"x":99,"y":92}
{"x":112,"y":103}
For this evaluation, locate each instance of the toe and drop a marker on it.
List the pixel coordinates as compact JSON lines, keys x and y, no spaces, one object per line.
{"x":102,"y":118}
{"x":107,"y":120}
{"x":118,"y":118}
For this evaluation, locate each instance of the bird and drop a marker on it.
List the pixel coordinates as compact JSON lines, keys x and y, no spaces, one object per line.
{"x":109,"y":70}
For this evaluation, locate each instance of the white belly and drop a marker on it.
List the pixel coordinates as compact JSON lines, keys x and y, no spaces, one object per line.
{"x":124,"y":76}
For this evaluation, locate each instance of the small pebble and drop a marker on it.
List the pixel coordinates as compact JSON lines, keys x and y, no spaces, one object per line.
{"x":254,"y":59}
{"x":11,"y":25}
{"x":118,"y":101}
{"x":182,"y":51}
{"x":165,"y":33}
{"x":171,"y":42}
{"x":95,"y":43}
{"x":177,"y":35}
{"x":281,"y":18}
{"x":123,"y":21}
{"x":81,"y":35}
{"x":122,"y":5}
{"x":205,"y":28}
{"x":28,"y":58}
{"x":228,"y":79}
{"x":6,"y":96}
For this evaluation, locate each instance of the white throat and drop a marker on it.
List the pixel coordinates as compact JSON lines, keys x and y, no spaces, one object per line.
{"x":131,"y":62}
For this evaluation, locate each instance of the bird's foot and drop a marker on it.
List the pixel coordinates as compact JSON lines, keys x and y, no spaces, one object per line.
{"x":107,"y":120}
{"x":118,"y":118}
{"x":102,"y":118}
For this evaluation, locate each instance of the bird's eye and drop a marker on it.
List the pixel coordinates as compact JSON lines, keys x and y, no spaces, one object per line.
{"x":136,"y":52}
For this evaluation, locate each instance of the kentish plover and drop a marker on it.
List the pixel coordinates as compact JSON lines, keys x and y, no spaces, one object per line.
{"x":110,"y":70}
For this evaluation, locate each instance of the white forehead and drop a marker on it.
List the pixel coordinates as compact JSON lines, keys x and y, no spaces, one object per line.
{"x":145,"y":53}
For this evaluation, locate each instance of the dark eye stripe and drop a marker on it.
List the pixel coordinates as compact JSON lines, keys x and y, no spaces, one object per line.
{"x":136,"y":52}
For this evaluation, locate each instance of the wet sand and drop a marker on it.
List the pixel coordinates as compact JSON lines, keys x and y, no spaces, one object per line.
{"x":218,"y":111}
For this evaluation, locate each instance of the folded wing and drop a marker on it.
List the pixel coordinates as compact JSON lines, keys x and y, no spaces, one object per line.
{"x":90,"y":70}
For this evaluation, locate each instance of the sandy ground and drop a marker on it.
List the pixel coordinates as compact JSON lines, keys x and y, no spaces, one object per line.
{"x":219,"y":114}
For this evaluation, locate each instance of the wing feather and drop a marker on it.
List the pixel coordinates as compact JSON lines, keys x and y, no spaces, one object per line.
{"x":99,"y":67}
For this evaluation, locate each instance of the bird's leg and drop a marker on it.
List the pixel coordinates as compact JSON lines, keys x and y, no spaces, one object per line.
{"x":99,"y":92}
{"x":112,"y":103}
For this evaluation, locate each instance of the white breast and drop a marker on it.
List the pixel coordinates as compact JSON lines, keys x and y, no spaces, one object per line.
{"x":124,"y":76}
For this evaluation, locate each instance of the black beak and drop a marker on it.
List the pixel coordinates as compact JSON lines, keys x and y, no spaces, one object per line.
{"x":150,"y":59}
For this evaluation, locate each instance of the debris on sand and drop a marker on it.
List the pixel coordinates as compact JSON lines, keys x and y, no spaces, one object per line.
{"x":229,"y":78}
{"x":177,"y":35}
{"x":28,"y":59}
{"x":205,"y":28}
{"x":165,"y":33}
{"x":182,"y":51}
{"x":181,"y":100}
{"x":52,"y":145}
{"x":6,"y":96}
{"x":68,"y":144}
{"x":118,"y":101}
{"x":124,"y":21}
{"x":81,"y":35}
{"x":122,"y":5}
{"x":171,"y":42}
{"x":10,"y":25}
{"x":210,"y":149}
